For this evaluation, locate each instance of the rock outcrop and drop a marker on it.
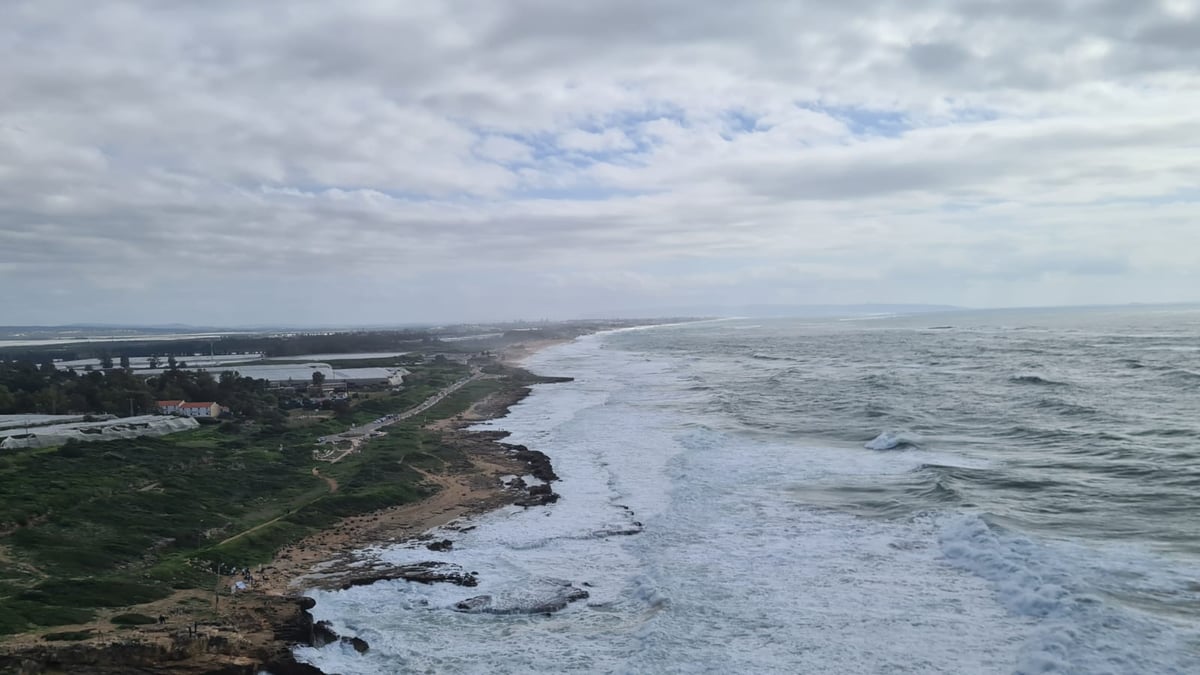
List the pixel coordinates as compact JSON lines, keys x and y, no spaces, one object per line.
{"x":537,"y":495}
{"x":430,"y":572}
{"x":185,"y":652}
{"x":539,"y":463}
{"x":545,"y":596}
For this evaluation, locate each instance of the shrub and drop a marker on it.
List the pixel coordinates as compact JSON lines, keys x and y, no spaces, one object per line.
{"x":92,"y":593}
{"x":18,"y":615}
{"x":133,"y":619}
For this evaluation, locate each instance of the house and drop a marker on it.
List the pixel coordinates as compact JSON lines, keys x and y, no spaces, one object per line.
{"x":200,"y":409}
{"x":169,"y":407}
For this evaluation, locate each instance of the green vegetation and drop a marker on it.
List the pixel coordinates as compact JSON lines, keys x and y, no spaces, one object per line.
{"x":118,"y":523}
{"x":26,"y":387}
{"x":133,"y":619}
{"x":18,"y":615}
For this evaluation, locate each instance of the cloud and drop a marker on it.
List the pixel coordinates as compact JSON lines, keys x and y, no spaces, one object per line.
{"x":283,"y":145}
{"x":504,"y":150}
{"x":609,"y":140}
{"x":938,"y":56}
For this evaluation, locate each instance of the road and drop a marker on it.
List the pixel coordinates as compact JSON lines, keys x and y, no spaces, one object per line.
{"x":357,"y":434}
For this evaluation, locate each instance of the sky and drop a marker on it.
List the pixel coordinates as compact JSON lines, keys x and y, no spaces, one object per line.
{"x":244,"y":163}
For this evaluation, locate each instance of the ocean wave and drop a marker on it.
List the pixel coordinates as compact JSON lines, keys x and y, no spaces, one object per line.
{"x":770,"y":357}
{"x":941,"y":491}
{"x":1036,"y":380}
{"x":1167,"y":433}
{"x":1066,"y":408}
{"x":893,"y":440}
{"x":1076,"y":630}
{"x":1027,"y":432}
{"x":943,"y":481}
{"x":1183,"y":375}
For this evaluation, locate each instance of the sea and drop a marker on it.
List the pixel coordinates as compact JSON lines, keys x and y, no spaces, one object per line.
{"x":1011,"y":491}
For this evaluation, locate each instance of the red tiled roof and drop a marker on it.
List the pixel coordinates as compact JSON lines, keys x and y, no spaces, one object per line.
{"x":197,"y":405}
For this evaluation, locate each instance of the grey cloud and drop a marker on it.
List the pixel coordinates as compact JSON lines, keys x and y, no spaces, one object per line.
{"x":1172,"y":34}
{"x":938,"y":56}
{"x":946,"y":161}
{"x":238,"y":139}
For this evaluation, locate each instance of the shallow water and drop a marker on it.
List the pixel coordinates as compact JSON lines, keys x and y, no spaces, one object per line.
{"x":1014,"y":493}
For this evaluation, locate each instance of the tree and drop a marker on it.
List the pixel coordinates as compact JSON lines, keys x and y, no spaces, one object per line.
{"x":125,"y":361}
{"x":154,"y":361}
{"x":342,"y":410}
{"x":318,"y":378}
{"x":50,"y":400}
{"x":171,"y":362}
{"x":106,"y":362}
{"x":7,"y":400}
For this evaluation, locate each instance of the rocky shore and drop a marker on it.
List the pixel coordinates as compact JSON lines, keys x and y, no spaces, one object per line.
{"x":259,"y":635}
{"x":257,"y":630}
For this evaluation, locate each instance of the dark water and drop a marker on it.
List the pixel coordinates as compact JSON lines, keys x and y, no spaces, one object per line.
{"x":1085,"y":424}
{"x":1093,"y":416}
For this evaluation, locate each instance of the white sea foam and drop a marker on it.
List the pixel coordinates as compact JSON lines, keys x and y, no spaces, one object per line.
{"x":890,"y":440}
{"x":1063,"y":587}
{"x":731,"y":570}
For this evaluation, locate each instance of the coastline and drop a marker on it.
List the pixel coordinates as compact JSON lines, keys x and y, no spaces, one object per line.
{"x":464,"y":492}
{"x":257,"y":630}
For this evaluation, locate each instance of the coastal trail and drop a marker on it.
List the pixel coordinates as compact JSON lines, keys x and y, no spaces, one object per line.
{"x":358,"y":434}
{"x":329,"y":481}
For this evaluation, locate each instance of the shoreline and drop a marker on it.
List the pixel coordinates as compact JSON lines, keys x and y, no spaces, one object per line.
{"x":257,"y":629}
{"x":465,"y":493}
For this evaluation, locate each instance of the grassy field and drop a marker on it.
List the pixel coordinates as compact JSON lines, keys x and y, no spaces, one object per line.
{"x":113,"y":524}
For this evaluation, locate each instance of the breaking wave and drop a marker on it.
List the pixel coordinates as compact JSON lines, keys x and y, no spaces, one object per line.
{"x":1076,"y":632}
{"x":893,"y":440}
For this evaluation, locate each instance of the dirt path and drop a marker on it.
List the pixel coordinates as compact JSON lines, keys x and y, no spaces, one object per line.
{"x":329,"y":480}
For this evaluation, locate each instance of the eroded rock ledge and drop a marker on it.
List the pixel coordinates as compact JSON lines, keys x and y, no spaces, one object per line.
{"x":183,"y":652}
{"x":429,"y":572}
